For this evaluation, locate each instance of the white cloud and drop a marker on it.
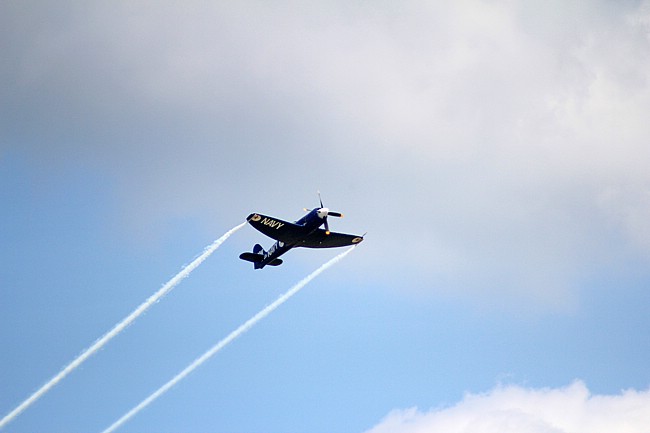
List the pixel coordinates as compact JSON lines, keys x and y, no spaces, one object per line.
{"x":515,"y":409}
{"x":497,"y":147}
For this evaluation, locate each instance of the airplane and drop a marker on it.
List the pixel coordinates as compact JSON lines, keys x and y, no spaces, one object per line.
{"x":305,"y":232}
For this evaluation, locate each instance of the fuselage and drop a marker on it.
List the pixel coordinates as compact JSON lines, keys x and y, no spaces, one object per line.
{"x":311,"y":221}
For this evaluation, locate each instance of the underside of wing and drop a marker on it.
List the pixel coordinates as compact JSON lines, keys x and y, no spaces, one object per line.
{"x":320,"y":239}
{"x":277,"y":229}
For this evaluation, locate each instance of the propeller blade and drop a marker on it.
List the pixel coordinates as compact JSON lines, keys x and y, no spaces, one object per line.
{"x":327,"y":227}
{"x":320,"y":199}
{"x":335,"y":214}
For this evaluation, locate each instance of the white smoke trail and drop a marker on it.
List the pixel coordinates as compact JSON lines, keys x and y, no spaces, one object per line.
{"x":119,"y":327}
{"x":223,"y":343}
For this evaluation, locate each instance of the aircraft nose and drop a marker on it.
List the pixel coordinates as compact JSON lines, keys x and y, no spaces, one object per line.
{"x":322,"y":212}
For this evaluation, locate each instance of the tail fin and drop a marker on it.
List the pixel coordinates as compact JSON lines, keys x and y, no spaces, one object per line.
{"x":255,"y":257}
{"x":259,"y":252}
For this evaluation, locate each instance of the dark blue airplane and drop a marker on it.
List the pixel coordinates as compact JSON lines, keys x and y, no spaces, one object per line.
{"x":305,"y":232}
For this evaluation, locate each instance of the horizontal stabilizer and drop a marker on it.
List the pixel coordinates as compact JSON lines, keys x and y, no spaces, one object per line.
{"x":252,"y":257}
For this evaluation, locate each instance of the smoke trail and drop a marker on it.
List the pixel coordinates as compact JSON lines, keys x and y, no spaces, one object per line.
{"x":223,"y":343}
{"x":120,"y":326}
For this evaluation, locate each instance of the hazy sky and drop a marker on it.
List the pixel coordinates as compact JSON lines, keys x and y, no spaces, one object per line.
{"x":496,"y":153}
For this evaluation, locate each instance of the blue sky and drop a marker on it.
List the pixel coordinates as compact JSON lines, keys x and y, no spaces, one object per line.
{"x":495,"y":152}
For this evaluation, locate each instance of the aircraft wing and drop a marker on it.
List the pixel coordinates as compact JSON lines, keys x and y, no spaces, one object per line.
{"x":320,"y":239}
{"x":277,"y":229}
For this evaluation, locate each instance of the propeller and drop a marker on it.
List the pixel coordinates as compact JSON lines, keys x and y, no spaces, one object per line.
{"x":324,"y":212}
{"x":327,"y":227}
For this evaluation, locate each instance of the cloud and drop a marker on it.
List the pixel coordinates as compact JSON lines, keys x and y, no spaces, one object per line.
{"x":572,"y":409}
{"x":492,"y":147}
